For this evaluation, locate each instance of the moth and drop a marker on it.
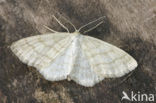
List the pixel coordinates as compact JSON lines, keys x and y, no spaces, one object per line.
{"x":73,"y":56}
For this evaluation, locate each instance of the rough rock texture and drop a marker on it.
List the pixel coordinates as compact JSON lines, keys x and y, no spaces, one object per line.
{"x":129,"y":24}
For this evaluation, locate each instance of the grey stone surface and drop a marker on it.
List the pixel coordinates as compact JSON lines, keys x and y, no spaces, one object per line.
{"x":129,"y":24}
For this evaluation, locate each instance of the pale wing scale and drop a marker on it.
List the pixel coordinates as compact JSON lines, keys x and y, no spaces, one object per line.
{"x":82,"y":72}
{"x":60,"y":68}
{"x":83,"y":59}
{"x":107,"y":60}
{"x":72,"y":64}
{"x":39,"y":51}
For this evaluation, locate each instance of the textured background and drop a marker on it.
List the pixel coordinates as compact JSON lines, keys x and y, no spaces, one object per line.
{"x":129,"y":24}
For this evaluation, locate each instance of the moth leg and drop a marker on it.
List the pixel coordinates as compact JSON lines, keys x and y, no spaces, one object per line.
{"x":50,"y":29}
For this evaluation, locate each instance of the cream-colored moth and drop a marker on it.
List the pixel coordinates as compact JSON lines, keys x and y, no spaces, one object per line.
{"x":73,"y":56}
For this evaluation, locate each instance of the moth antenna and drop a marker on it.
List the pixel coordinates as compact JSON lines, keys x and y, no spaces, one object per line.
{"x":90,"y":23}
{"x":69,"y":22}
{"x":61,"y":24}
{"x":93,"y":27}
